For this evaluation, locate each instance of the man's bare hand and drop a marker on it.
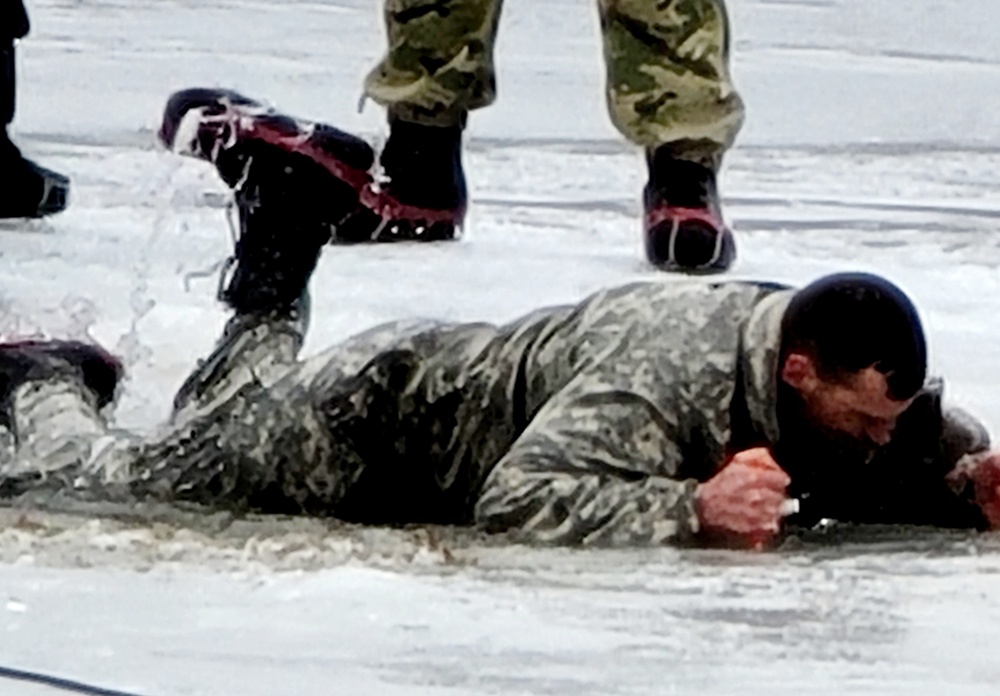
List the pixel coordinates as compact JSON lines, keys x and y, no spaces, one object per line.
{"x":743,"y":502}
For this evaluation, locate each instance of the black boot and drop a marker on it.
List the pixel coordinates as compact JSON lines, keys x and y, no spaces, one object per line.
{"x":283,"y":200}
{"x":684,"y":229}
{"x":423,"y":195}
{"x":30,"y":361}
{"x":295,"y":168}
{"x":29,"y":190}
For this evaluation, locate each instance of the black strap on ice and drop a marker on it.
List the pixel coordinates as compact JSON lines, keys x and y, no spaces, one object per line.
{"x":58,"y":683}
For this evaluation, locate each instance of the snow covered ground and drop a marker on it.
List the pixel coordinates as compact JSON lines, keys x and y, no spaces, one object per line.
{"x":872,"y":143}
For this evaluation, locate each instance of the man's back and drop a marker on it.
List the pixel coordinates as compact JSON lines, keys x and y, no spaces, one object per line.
{"x":445,"y":403}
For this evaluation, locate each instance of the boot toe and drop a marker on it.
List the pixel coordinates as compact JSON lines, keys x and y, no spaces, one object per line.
{"x":690,"y":244}
{"x":33,"y":191}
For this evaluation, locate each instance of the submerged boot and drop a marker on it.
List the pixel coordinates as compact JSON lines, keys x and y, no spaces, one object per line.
{"x":423,"y":194}
{"x":244,"y":138}
{"x":684,"y":229}
{"x":29,"y":190}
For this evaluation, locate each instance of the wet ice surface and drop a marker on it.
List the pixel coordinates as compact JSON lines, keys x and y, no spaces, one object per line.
{"x":871,"y":144}
{"x":426,"y":611}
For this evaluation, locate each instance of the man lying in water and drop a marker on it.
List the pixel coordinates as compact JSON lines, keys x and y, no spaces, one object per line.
{"x":653,"y":413}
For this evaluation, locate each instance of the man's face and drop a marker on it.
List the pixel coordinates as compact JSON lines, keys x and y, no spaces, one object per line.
{"x":857,"y":414}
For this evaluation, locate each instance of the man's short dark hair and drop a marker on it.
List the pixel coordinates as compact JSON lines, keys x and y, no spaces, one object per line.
{"x":849,"y":321}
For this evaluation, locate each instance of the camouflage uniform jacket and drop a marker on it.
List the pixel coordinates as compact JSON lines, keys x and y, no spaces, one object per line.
{"x":655,"y":385}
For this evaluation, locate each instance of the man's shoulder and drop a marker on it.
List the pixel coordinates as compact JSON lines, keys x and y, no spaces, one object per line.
{"x":694,"y":284}
{"x":670,"y":295}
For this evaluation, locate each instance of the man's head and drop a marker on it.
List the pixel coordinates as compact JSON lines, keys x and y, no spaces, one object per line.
{"x":853,"y":350}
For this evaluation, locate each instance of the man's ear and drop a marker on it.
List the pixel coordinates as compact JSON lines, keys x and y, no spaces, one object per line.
{"x":799,"y":372}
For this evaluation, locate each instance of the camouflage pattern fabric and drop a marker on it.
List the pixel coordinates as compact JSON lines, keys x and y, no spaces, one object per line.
{"x":667,"y":65}
{"x":668,"y":75}
{"x":439,"y":63}
{"x":589,"y":424}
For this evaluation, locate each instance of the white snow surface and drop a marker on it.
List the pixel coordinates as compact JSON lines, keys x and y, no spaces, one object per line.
{"x":872,"y":143}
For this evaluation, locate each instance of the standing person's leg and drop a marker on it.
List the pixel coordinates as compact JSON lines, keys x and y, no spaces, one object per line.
{"x":438,"y":67}
{"x":669,"y":90}
{"x":28,"y":190}
{"x":13,"y":25}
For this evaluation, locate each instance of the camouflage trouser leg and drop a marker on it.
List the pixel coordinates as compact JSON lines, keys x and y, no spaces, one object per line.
{"x":667,"y":66}
{"x":668,"y":75}
{"x":439,"y":64}
{"x":250,"y":351}
{"x":255,"y":429}
{"x":265,"y":431}
{"x":55,"y":424}
{"x":63,"y":445}
{"x":238,"y":421}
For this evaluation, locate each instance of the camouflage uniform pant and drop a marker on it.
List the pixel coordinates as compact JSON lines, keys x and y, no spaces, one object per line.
{"x":668,"y":80}
{"x":255,"y":428}
{"x":226,"y":429}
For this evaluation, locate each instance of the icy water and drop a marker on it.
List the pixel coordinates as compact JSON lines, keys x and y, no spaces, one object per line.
{"x":871,"y":143}
{"x":199,"y":610}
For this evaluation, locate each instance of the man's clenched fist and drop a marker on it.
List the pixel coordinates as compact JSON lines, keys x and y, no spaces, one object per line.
{"x":743,"y":502}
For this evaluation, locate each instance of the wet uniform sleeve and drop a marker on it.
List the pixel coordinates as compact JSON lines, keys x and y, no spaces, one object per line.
{"x":594,"y":467}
